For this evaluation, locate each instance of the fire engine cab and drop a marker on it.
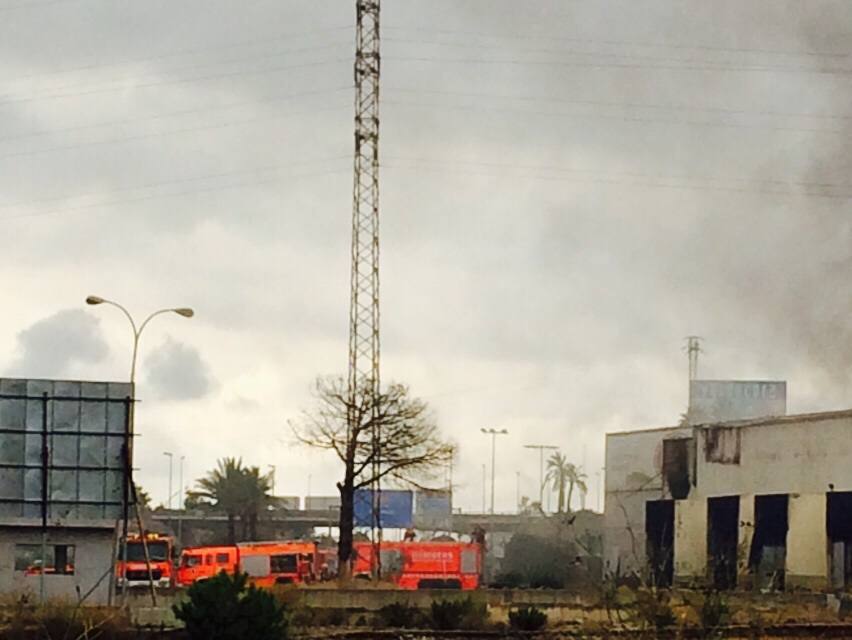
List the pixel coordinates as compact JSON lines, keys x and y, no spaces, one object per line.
{"x":266,"y":563}
{"x":423,"y":565}
{"x":132,"y":568}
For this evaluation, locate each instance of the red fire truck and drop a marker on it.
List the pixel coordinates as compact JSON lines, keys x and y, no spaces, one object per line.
{"x":201,"y":563}
{"x":135,"y":572}
{"x":423,"y":565}
{"x":266,"y":563}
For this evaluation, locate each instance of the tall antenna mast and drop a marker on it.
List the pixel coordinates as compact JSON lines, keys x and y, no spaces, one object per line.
{"x":364,"y":296}
{"x":693,"y":349}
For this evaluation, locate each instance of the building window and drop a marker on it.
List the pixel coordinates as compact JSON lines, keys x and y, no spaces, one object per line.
{"x":58,"y":559}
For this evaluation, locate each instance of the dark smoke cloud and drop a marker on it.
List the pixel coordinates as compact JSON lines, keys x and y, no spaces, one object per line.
{"x":53,"y":346}
{"x":175,"y":371}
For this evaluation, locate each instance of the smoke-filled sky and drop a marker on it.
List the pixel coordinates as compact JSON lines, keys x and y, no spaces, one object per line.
{"x":568,"y":189}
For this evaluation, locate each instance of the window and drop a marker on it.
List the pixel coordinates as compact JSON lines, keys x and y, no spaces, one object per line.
{"x":191,"y":561}
{"x":285,"y":563}
{"x":58,"y":559}
{"x":222,"y":558}
{"x":208,"y":559}
{"x":158,"y":551}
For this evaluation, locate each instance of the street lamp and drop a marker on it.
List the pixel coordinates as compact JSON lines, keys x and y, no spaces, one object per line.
{"x":272,"y":477}
{"x":186,"y":312}
{"x":541,"y":448}
{"x":493,"y":433}
{"x":171,"y":459}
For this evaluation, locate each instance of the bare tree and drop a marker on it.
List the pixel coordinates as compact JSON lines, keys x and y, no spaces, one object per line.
{"x":408,"y":446}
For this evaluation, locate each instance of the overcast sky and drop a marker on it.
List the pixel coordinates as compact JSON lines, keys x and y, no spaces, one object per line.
{"x":568,"y":189}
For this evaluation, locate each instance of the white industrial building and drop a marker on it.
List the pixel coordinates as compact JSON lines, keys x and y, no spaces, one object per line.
{"x":756,"y":503}
{"x":64,"y":470}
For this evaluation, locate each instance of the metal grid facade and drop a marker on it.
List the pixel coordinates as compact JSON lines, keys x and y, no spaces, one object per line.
{"x":64,"y":450}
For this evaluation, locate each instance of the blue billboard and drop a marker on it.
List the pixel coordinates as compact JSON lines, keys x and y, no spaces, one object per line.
{"x":395,"y":511}
{"x":434,"y":509}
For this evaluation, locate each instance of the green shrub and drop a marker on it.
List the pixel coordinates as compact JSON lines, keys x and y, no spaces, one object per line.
{"x":509,"y":580}
{"x":714,"y":611}
{"x":545,"y":580}
{"x":227,"y":608}
{"x":399,"y":615}
{"x":458,"y":614}
{"x":528,"y":618}
{"x":654,"y":609}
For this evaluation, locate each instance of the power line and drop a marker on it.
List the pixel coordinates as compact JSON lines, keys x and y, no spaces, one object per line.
{"x":723,"y":64}
{"x":622,"y":118}
{"x":175,"y":54}
{"x":158,"y":134}
{"x":162,"y":183}
{"x":219,"y":76}
{"x":620,"y":182}
{"x":631,"y":43}
{"x":107,"y":84}
{"x":593,"y":65}
{"x":615,"y":103}
{"x":173,"y":114}
{"x":216,"y":188}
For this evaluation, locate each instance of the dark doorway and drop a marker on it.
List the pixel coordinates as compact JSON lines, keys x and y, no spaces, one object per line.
{"x":723,"y":516}
{"x":659,"y":541}
{"x":839,"y":527}
{"x":676,"y":466}
{"x":768,"y":556}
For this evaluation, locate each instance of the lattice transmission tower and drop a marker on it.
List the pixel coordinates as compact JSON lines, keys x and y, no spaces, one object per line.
{"x":364,"y":345}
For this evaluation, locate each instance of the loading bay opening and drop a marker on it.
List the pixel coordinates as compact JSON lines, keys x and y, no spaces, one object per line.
{"x":659,"y":537}
{"x":839,"y":526}
{"x":723,"y":515}
{"x":768,"y":554}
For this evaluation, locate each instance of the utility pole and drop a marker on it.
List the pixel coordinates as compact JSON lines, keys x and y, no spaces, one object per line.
{"x":493,"y":433}
{"x":364,"y":285}
{"x":171,"y":459}
{"x":693,"y":350}
{"x":484,"y":483}
{"x":541,"y":448}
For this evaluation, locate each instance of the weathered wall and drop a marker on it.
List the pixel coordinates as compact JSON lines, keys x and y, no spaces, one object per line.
{"x":744,"y":539}
{"x":633,"y":476}
{"x":802,"y":456}
{"x":93,"y":552}
{"x":690,"y":543}
{"x":796,"y":454}
{"x":807,"y":540}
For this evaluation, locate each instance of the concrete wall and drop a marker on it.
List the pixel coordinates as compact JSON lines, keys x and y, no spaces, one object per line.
{"x":807,"y":542}
{"x":93,"y":552}
{"x":690,"y":542}
{"x":796,"y":455}
{"x":633,"y":476}
{"x":789,"y":455}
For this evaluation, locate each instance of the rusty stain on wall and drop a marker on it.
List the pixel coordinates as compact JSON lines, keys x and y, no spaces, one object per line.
{"x":722,"y":445}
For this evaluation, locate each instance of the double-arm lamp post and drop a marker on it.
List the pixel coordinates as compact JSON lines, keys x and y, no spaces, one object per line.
{"x":185,"y":312}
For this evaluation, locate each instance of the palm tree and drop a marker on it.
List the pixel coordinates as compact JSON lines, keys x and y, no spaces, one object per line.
{"x":256,"y":490}
{"x":561,"y":473}
{"x":238,"y":491}
{"x":576,"y":478}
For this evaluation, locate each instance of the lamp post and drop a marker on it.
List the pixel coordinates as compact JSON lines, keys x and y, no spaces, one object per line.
{"x":493,"y":433}
{"x":180,"y":481}
{"x":171,"y":460}
{"x":272,"y":477}
{"x":185,"y":312}
{"x":541,"y":448}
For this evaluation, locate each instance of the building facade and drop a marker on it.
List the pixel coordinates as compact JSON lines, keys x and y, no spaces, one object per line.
{"x":763,"y":503}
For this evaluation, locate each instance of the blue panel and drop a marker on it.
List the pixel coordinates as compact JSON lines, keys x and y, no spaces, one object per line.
{"x":434,"y":503}
{"x":395,"y":512}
